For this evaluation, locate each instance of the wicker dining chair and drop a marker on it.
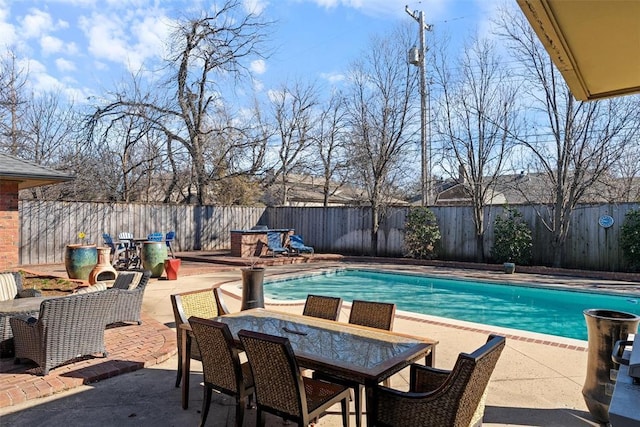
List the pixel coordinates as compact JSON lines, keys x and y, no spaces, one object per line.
{"x":221,"y":366}
{"x":206,"y":303}
{"x":437,"y":397}
{"x":322,"y":306}
{"x":280,"y":387}
{"x":373,"y":314}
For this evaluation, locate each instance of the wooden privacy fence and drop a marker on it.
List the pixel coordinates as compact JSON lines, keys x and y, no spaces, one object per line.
{"x":46,"y":227}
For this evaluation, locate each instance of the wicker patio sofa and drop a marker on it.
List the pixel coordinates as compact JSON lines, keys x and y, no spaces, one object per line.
{"x":66,"y":328}
{"x":129,"y":287}
{"x":10,"y":289}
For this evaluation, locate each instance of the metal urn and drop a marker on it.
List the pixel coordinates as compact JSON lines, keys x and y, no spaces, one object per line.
{"x":604,"y":328}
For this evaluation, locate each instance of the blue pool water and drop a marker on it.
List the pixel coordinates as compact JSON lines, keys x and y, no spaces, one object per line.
{"x":544,"y":310}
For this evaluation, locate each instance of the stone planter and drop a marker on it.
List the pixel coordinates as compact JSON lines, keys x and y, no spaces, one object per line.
{"x":79,"y":260}
{"x":252,"y":290}
{"x":604,"y":327}
{"x":509,"y":267}
{"x":153,"y":256}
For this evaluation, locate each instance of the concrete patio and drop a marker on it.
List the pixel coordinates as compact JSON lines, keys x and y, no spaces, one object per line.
{"x":537,"y":381}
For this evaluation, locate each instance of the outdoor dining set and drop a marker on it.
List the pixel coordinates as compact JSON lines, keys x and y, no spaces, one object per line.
{"x":297,"y":366}
{"x":126,"y":252}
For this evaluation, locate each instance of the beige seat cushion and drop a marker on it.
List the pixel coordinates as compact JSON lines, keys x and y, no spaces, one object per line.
{"x":8,"y":287}
{"x":102,"y":286}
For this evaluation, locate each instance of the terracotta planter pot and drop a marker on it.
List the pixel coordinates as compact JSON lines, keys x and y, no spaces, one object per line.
{"x":171,"y":266}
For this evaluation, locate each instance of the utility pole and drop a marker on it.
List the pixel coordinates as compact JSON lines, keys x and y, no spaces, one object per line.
{"x":419,"y":60}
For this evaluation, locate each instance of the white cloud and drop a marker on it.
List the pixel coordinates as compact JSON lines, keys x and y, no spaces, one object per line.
{"x":129,"y":39}
{"x":106,"y":38}
{"x":259,"y":66}
{"x":274,"y":95}
{"x":258,"y":85}
{"x":7,"y":35}
{"x":333,"y":77}
{"x":39,"y":80}
{"x":7,"y":30}
{"x":65,"y":65}
{"x":51,"y":45}
{"x":35,"y":24}
{"x":62,"y":24}
{"x":389,"y":8}
{"x":151,"y":34}
{"x":255,"y":6}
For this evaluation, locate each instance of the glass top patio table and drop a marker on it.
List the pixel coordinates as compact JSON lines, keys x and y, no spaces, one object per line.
{"x":365,"y":355}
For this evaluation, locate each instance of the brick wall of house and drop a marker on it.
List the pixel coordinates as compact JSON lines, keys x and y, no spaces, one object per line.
{"x":9,"y":225}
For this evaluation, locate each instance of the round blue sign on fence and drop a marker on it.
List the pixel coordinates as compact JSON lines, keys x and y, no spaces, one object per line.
{"x":605,"y":221}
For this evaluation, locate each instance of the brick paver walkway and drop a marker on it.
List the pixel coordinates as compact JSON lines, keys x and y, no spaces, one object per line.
{"x":130,"y":347}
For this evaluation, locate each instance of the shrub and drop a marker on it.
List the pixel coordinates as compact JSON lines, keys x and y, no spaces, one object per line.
{"x":512,"y":238}
{"x":421,"y":233}
{"x":630,"y":239}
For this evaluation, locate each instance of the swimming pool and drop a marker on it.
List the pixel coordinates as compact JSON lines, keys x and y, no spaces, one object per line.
{"x":534,"y":309}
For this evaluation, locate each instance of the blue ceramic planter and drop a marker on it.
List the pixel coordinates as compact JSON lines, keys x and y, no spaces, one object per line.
{"x":79,"y":260}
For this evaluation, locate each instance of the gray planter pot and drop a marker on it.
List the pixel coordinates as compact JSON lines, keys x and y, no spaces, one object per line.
{"x":509,"y":267}
{"x":604,"y":327}
{"x":252,"y":290}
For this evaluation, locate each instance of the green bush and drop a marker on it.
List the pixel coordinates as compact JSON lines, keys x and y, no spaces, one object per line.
{"x":512,"y":238}
{"x":421,"y":233}
{"x":630,"y":239}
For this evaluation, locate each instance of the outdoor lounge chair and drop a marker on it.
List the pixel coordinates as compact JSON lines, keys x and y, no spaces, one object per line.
{"x":437,"y":397}
{"x":205,"y":303}
{"x":221,"y":366}
{"x":280,"y":387}
{"x":129,"y":287}
{"x":297,"y":245}
{"x":274,"y":243}
{"x":66,"y":328}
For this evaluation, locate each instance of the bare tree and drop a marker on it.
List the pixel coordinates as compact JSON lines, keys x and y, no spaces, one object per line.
{"x":330,"y":145}
{"x":13,"y":102}
{"x":382,"y":91}
{"x":293,"y":116}
{"x":49,"y":124}
{"x":582,"y":139}
{"x":207,"y":50}
{"x":475,"y":114}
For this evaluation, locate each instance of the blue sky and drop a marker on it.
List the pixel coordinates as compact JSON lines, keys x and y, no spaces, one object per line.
{"x":85,"y":47}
